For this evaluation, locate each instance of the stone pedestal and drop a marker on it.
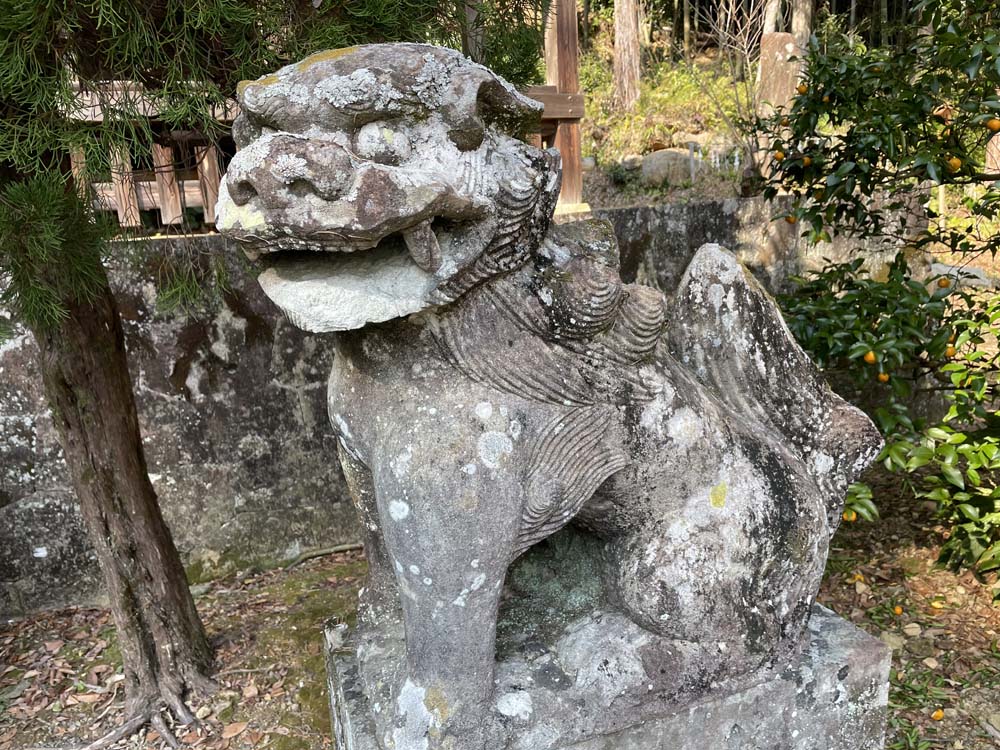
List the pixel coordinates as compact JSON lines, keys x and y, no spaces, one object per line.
{"x":832,"y":698}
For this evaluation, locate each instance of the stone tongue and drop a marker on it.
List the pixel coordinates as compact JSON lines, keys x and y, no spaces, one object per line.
{"x":423,"y":246}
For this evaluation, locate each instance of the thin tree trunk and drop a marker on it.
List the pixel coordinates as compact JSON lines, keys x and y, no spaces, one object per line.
{"x":802,"y":17}
{"x":627,"y":51}
{"x":687,"y":29}
{"x":772,"y":16}
{"x":883,"y":22}
{"x":84,"y":368}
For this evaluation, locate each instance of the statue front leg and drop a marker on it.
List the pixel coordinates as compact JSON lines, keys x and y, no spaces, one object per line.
{"x":449,"y":540}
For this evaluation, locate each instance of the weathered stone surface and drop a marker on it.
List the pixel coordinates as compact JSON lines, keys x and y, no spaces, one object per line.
{"x":232,"y":404}
{"x":833,"y":696}
{"x":531,"y":389}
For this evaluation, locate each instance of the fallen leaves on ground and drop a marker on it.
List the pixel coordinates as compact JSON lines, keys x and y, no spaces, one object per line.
{"x":61,"y":682}
{"x":943,"y":628}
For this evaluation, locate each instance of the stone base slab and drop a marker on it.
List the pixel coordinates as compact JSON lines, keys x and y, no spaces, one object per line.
{"x":833,"y":698}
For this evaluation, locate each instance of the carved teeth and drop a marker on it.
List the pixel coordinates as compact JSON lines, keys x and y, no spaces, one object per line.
{"x":423,"y":246}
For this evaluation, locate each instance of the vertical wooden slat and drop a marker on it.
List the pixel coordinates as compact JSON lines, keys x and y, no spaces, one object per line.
{"x":124,"y":184}
{"x":166,"y":184}
{"x":568,"y":133}
{"x":209,"y":177}
{"x":78,"y":168}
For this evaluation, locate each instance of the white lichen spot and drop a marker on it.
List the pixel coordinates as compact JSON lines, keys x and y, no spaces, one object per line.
{"x":822,"y":463}
{"x":415,"y":570}
{"x":484,"y":410}
{"x":400,"y":465}
{"x":493,"y":448}
{"x":516,"y":705}
{"x":416,"y":717}
{"x":478,"y":581}
{"x":428,"y":581}
{"x":469,"y":469}
{"x":685,"y":427}
{"x":398,"y":510}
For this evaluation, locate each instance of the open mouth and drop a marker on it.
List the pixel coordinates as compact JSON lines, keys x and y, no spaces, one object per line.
{"x":420,"y":241}
{"x":324,"y":283}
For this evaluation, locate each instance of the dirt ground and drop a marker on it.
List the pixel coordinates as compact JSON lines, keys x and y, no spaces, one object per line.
{"x":60,"y":672}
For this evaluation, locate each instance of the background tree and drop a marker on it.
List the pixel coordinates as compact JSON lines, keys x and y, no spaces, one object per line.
{"x":186,"y":57}
{"x":857,"y":158}
{"x":627,"y":53}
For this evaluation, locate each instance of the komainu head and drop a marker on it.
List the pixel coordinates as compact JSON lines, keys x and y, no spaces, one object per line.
{"x":380,"y":180}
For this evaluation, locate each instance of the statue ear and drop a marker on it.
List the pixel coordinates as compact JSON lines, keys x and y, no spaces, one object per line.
{"x":480,"y":100}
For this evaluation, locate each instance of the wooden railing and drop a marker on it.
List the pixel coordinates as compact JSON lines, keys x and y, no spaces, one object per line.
{"x":170,"y":187}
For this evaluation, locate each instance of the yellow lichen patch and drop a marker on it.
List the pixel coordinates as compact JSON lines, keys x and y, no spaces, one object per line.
{"x":437,"y":703}
{"x":318,"y":57}
{"x":265,"y":81}
{"x":717,"y":497}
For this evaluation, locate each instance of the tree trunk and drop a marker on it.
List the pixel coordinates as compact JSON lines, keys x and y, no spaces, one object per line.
{"x":85,"y":372}
{"x":802,"y":18}
{"x":687,"y":29}
{"x":626,"y":68}
{"x":883,"y":22}
{"x":772,"y":16}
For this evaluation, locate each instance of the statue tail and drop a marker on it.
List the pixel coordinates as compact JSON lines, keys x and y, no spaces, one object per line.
{"x":728,"y":330}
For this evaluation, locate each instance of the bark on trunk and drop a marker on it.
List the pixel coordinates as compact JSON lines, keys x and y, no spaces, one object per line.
{"x":772,"y":16}
{"x":626,"y":69}
{"x":85,"y":372}
{"x":802,"y":20}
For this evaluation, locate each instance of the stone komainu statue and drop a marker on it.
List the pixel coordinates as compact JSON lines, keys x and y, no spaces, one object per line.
{"x":497,"y":381}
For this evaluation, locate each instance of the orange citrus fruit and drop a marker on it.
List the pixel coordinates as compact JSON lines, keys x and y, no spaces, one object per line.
{"x":897,"y":610}
{"x":883,"y":377}
{"x":826,"y":99}
{"x":943,"y":282}
{"x":954,"y":164}
{"x":870,"y":357}
{"x":950,"y":351}
{"x":791,"y":219}
{"x":785,"y":122}
{"x":806,"y":161}
{"x":993,"y":124}
{"x":937,"y":715}
{"x":802,"y":88}
{"x":779,"y":155}
{"x":851,"y":516}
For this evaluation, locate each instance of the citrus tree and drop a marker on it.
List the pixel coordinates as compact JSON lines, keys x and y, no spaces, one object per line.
{"x":869,"y":135}
{"x":892,"y":122}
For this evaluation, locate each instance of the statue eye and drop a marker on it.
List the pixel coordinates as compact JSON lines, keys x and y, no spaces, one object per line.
{"x":382,"y":143}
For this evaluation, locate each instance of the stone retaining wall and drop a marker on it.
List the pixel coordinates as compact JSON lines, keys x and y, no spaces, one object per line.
{"x":232,"y":401}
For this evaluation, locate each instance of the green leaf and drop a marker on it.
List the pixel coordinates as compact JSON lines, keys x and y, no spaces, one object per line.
{"x":953,"y":475}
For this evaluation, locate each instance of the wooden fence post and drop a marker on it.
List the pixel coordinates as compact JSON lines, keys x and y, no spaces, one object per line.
{"x":166,"y":185}
{"x":123,"y":182}
{"x":561,"y":61}
{"x":209,"y":177}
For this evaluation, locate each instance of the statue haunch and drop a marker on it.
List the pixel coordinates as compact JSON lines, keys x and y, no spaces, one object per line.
{"x":496,"y":380}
